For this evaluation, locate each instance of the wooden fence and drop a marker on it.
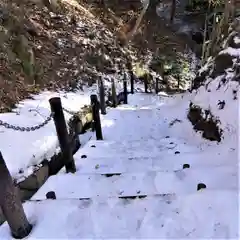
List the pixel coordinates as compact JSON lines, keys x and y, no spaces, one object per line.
{"x":10,"y":200}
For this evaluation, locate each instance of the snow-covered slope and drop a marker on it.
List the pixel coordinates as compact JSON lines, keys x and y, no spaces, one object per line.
{"x":132,"y":184}
{"x":216,"y":88}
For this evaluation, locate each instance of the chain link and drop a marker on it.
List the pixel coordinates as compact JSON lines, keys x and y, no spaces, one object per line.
{"x":26,"y":129}
{"x":75,"y":112}
{"x":69,"y":112}
{"x":34,"y":128}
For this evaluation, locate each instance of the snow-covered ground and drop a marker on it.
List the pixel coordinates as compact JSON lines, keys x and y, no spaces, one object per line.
{"x":24,"y":151}
{"x":145,"y":146}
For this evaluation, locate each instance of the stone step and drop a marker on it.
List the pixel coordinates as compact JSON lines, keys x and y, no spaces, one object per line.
{"x":129,"y":184}
{"x":205,"y":215}
{"x":135,"y":148}
{"x":87,"y":163}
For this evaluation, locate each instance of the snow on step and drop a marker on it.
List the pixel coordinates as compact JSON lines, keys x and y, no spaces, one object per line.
{"x":123,"y":164}
{"x":103,"y":161}
{"x":134,"y":148}
{"x":131,"y":123}
{"x":204,"y":214}
{"x":130,"y":184}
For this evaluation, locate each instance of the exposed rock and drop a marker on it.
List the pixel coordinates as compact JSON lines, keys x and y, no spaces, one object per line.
{"x":221,"y":63}
{"x":233,"y":40}
{"x":199,"y":80}
{"x":204,"y":121}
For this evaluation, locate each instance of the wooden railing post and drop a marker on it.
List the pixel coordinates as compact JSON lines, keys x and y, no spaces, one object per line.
{"x":74,"y":131}
{"x":156,"y":86}
{"x":102,"y":97}
{"x":125,"y":92}
{"x":114,"y":94}
{"x":96,"y":117}
{"x":62,"y":133}
{"x":92,"y":103}
{"x":132,"y":81}
{"x":145,"y":83}
{"x":11,"y":205}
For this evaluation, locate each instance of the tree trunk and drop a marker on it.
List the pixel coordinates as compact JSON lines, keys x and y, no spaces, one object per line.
{"x":173,"y":10}
{"x":152,"y":7}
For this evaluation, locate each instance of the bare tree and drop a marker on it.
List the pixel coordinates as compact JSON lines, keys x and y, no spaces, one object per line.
{"x":219,"y":29}
{"x":173,"y":10}
{"x":127,"y":31}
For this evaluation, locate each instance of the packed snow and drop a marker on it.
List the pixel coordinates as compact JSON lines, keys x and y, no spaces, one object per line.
{"x":146,"y":143}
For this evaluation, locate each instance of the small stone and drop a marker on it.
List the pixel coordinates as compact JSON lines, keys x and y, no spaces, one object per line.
{"x":84,"y":156}
{"x":93,"y":146}
{"x":177,"y":152}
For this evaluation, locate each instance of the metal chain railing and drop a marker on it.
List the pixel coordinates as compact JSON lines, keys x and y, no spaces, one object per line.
{"x":26,"y":129}
{"x":73,"y":112}
{"x":69,"y":111}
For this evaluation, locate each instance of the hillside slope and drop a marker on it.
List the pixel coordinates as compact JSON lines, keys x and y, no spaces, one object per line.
{"x":69,"y":43}
{"x":52,"y":47}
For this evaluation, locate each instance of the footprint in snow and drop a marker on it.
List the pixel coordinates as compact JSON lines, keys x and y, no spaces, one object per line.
{"x":180,"y":174}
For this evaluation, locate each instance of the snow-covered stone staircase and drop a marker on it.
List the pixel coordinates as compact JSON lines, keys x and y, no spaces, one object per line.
{"x":109,"y":169}
{"x":132,"y":184}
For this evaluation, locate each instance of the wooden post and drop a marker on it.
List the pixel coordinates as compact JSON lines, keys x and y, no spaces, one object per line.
{"x":125,"y":90}
{"x":102,"y":97}
{"x":156,"y":87}
{"x":114,"y":94}
{"x":132,"y":81}
{"x":62,"y":133}
{"x":11,"y":205}
{"x":96,"y":117}
{"x":92,"y":103}
{"x":178,"y":79}
{"x":146,"y":83}
{"x":75,"y":127}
